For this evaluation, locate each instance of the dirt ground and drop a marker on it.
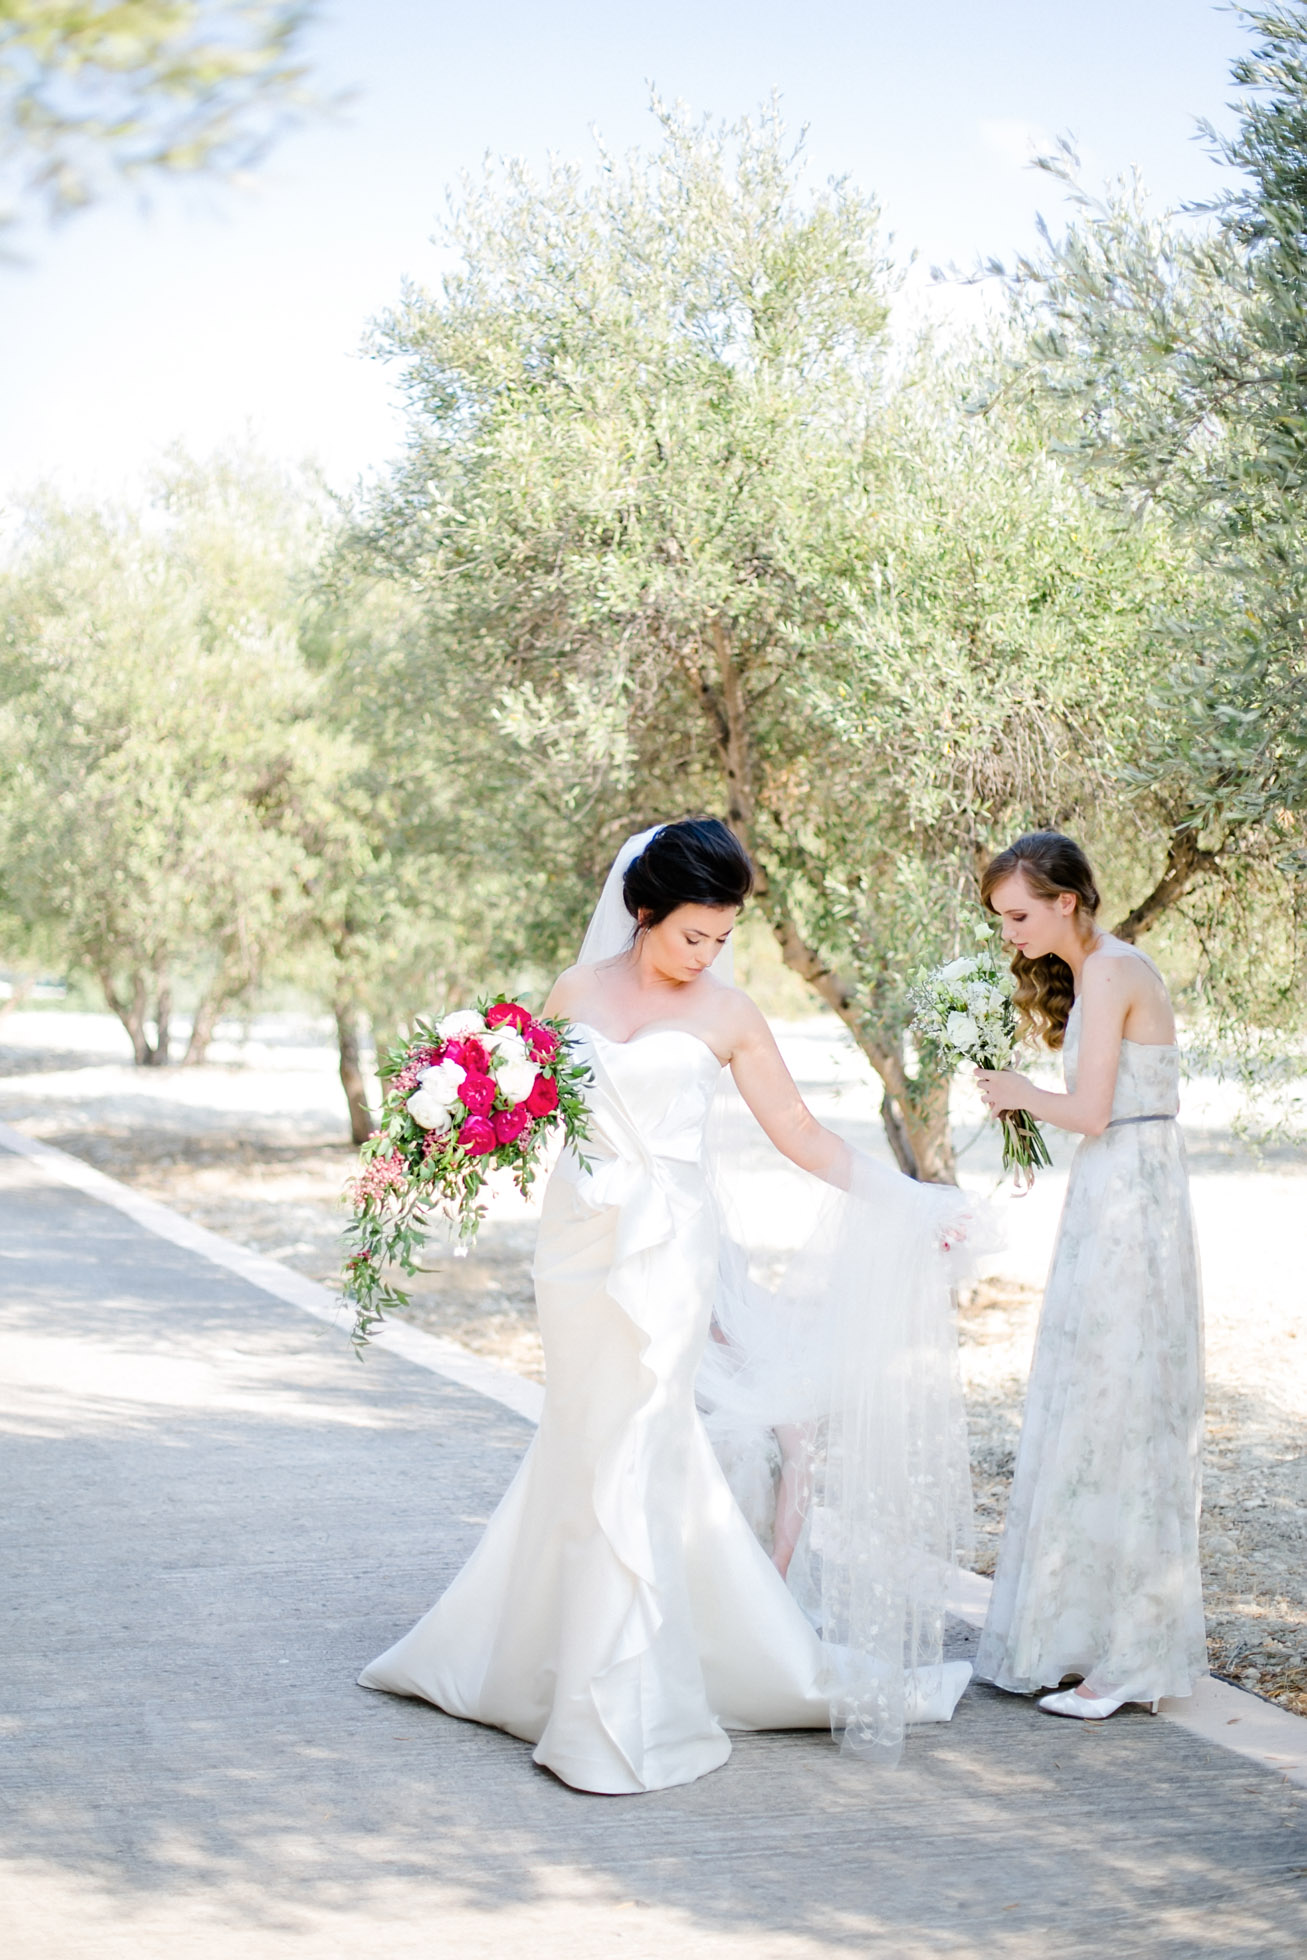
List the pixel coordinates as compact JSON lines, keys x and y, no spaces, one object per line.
{"x":251,"y":1146}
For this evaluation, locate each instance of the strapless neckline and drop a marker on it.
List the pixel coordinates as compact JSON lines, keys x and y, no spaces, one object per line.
{"x":642,"y":1034}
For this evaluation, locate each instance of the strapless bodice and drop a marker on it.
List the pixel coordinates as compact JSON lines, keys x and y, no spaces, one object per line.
{"x":657,"y":1087}
{"x":1147,"y":1076}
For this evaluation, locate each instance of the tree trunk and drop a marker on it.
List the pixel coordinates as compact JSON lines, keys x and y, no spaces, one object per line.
{"x":361,"y":1124}
{"x":897,"y":1132}
{"x":18,"y":994}
{"x":915,"y":1114}
{"x":925,"y":1117}
{"x":202,"y":1027}
{"x":1184,"y":863}
{"x":158,"y":1055}
{"x":132,"y":1015}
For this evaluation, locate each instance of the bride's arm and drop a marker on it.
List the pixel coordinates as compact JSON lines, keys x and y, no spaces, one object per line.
{"x":772,"y":1094}
{"x":1105,"y":999}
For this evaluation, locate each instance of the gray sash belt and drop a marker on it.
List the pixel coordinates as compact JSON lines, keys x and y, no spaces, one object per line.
{"x":1118,"y":1122}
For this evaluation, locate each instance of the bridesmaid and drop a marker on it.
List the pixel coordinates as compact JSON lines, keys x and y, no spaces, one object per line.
{"x":1098,"y":1572}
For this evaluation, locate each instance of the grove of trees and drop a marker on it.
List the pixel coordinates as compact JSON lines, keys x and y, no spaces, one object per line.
{"x":685,"y":521}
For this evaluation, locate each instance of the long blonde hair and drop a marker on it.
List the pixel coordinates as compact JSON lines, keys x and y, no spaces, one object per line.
{"x":1050,"y":864}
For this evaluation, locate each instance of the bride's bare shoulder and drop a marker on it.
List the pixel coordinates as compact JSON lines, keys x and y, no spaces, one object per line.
{"x":734,"y":1011}
{"x":570,"y":989}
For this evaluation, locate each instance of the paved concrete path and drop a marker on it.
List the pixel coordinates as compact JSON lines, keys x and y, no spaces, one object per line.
{"x":213,"y":1515}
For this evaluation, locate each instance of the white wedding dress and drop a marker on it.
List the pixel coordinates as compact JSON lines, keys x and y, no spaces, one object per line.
{"x":619,"y":1612}
{"x":1098,"y":1571}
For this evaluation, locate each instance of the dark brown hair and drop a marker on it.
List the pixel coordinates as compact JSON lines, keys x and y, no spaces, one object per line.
{"x":1050,"y":864}
{"x":695,"y":862}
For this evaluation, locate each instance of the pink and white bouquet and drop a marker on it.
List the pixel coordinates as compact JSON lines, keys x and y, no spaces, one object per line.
{"x":483,"y":1089}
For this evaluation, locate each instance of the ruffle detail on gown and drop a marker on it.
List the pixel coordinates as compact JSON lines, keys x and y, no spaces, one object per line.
{"x":619,"y":1613}
{"x":653,"y":1197}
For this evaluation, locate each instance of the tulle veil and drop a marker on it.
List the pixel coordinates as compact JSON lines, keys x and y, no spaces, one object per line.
{"x":847,"y":1338}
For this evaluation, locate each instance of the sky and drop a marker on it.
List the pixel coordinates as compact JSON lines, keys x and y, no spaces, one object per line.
{"x":212,"y":312}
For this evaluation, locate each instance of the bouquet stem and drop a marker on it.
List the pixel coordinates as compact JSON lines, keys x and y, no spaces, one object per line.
{"x":1024,"y":1148}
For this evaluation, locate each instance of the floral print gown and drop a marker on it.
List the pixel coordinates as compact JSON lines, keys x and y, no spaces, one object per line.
{"x":1098,"y":1571}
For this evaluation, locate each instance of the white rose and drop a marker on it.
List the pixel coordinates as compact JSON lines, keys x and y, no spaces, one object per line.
{"x":517,"y":1079}
{"x":442,"y":1081}
{"x":428,"y":1109}
{"x":962,"y":1032}
{"x":466,"y":1021}
{"x":515,"y":1071}
{"x":958,"y":969}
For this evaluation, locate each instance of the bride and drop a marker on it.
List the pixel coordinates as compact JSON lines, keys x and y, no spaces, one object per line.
{"x":619,"y":1613}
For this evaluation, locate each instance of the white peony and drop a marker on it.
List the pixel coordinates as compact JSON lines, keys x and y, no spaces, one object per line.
{"x":962,"y":1032}
{"x":517,"y":1079}
{"x":515,"y":1071}
{"x":465,"y":1021}
{"x":437,"y":1091}
{"x":959,"y":969}
{"x":428,"y":1109}
{"x":443,"y":1080}
{"x":506,"y":1042}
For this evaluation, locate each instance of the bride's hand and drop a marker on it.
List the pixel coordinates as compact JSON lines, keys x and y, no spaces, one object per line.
{"x":1002,"y":1090}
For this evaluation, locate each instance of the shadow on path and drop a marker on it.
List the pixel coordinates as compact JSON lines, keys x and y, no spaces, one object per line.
{"x":214,"y":1516}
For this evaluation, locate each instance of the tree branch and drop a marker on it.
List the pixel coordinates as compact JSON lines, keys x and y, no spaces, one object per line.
{"x":918,"y":1150}
{"x":1185,"y":862}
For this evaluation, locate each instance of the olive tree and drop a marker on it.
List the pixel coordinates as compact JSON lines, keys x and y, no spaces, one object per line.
{"x":683,"y":528}
{"x":158,"y":732}
{"x":1171,"y":353}
{"x":140,"y":89}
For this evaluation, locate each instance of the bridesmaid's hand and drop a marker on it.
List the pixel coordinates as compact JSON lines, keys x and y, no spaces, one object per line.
{"x":1002,"y":1090}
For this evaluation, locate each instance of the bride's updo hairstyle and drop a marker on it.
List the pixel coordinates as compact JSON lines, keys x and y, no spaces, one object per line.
{"x":697,"y":862}
{"x":1050,"y":864}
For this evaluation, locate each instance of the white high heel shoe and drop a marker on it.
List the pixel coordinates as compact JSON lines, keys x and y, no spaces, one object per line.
{"x":1089,"y":1708}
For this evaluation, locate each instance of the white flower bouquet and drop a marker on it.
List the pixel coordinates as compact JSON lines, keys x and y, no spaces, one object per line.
{"x":965,"y":1013}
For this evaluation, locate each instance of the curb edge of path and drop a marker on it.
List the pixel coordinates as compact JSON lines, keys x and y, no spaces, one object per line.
{"x":1268,"y":1735}
{"x":442,"y":1357}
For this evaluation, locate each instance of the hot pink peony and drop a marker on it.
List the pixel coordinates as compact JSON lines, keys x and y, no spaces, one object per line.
{"x":543,"y":1099}
{"x":510,"y":1123}
{"x":508,"y":1013}
{"x":477,"y":1094}
{"x":477,"y":1137}
{"x":542,"y":1042}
